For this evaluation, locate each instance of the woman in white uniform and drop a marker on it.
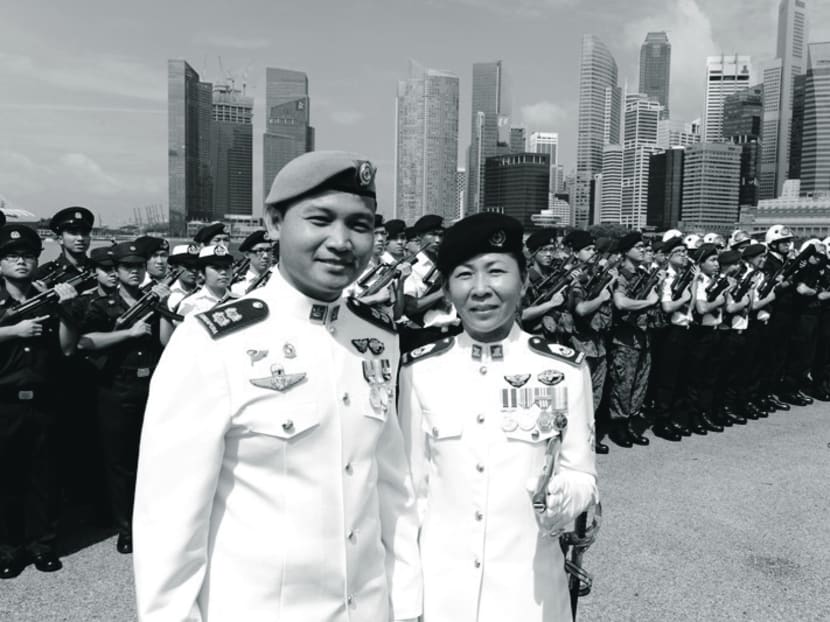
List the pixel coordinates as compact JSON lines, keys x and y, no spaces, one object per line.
{"x":478,"y":412}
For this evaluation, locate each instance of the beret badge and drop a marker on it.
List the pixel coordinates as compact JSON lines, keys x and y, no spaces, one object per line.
{"x":498,"y":239}
{"x":220,"y":250}
{"x":192,"y":249}
{"x":15,"y":235}
{"x":365,"y":174}
{"x":78,"y":215}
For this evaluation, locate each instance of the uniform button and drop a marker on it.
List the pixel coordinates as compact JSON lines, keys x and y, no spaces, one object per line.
{"x":348,"y":468}
{"x":480,"y":418}
{"x":435,"y":431}
{"x":27,"y":349}
{"x":482,"y":370}
{"x":480,"y":468}
{"x":535,"y":434}
{"x":332,"y":329}
{"x":346,"y":399}
{"x":349,"y":599}
{"x":477,"y":563}
{"x":288,"y":425}
{"x":352,"y":536}
{"x":479,"y":516}
{"x":139,"y":354}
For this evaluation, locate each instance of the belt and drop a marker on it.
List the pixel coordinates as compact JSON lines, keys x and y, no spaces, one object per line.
{"x":130,"y":374}
{"x":20,"y":395}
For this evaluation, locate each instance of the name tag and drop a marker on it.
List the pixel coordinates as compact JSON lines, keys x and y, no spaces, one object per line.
{"x":25,"y":396}
{"x":143,"y":372}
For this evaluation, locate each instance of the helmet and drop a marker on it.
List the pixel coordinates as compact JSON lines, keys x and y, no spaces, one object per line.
{"x":826,"y":242}
{"x":714,"y":238}
{"x":777,"y":233}
{"x":672,"y":233}
{"x":739,"y":237}
{"x":692,"y":241}
{"x":814,"y":241}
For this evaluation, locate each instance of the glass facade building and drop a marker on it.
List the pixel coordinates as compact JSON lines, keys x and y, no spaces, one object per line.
{"x":665,"y":188}
{"x":517,"y":185}
{"x":232,"y":156}
{"x":815,"y":149}
{"x":711,"y":174}
{"x":724,"y":75}
{"x":655,"y":68}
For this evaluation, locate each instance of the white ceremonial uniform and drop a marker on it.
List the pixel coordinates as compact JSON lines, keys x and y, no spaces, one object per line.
{"x":682,"y":317}
{"x":200,"y":301}
{"x":272,"y":480}
{"x":177,"y":294}
{"x":473,"y":443}
{"x":240,"y":287}
{"x":714,"y":318}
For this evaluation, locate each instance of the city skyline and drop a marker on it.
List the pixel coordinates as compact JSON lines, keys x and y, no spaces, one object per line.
{"x":86,"y":121}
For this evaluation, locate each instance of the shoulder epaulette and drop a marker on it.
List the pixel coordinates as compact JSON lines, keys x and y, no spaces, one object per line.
{"x":430,"y":349}
{"x":371,"y":315}
{"x":232,"y":316}
{"x":556,"y":351}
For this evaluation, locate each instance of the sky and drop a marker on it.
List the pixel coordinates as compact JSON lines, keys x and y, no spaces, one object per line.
{"x":83,"y":85}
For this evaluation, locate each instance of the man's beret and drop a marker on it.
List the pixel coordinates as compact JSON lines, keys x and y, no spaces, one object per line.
{"x":257,"y":237}
{"x":705,"y":251}
{"x":215,"y":255}
{"x":540,"y":238}
{"x":607,"y":245}
{"x":428,"y":224}
{"x":578,"y":239}
{"x":2,"y":218}
{"x":127,"y":252}
{"x":148,"y":245}
{"x":16,"y":237}
{"x":379,"y":221}
{"x":729,"y":257}
{"x":204,"y":235}
{"x":410,"y":234}
{"x":673,"y":244}
{"x":102,"y":257}
{"x":628,"y":241}
{"x":753,"y":250}
{"x":395,"y":227}
{"x":319,"y":171}
{"x":485,"y":232}
{"x":72,"y":217}
{"x":184,"y":255}
{"x":657,"y":246}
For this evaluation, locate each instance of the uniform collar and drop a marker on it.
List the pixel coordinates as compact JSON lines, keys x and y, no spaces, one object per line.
{"x":493,"y":351}
{"x":294,"y":303}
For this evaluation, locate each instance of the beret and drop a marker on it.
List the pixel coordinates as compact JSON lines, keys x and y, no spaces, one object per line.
{"x":409,"y":232}
{"x":706,"y":251}
{"x":379,"y":221}
{"x":427,"y":224}
{"x":485,"y":232}
{"x":102,"y":257}
{"x":215,"y":254}
{"x":578,"y":239}
{"x":150,"y":244}
{"x":658,"y":247}
{"x":729,"y":257}
{"x":72,"y":217}
{"x":317,"y":171}
{"x":607,"y":245}
{"x":204,"y":234}
{"x":628,"y":241}
{"x":538,"y":239}
{"x":19,"y":237}
{"x":395,"y":227}
{"x":753,"y":250}
{"x":127,"y":252}
{"x":2,"y":218}
{"x":672,"y":244}
{"x":257,"y":237}
{"x":184,"y":255}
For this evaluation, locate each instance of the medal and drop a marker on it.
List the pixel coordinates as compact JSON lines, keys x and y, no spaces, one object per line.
{"x":508,"y":424}
{"x":545,"y":421}
{"x":525,"y":398}
{"x":527,"y":422}
{"x":519,"y":380}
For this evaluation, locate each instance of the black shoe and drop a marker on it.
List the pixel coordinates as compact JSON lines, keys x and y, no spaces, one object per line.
{"x":12,"y":565}
{"x":804,"y":397}
{"x":734,"y":418}
{"x":818,"y":393}
{"x":636,"y":438}
{"x":681,"y":429}
{"x":666,"y":432}
{"x":47,"y":562}
{"x":750,"y":411}
{"x":710,"y":425}
{"x":621,"y":438}
{"x":777,"y":403}
{"x":792,"y":398}
{"x":124,"y":544}
{"x":600,"y":448}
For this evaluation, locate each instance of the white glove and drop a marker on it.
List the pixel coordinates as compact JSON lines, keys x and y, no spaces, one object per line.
{"x":568,"y":495}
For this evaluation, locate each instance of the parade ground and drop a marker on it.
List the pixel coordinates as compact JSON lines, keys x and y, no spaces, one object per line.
{"x":730,"y":526}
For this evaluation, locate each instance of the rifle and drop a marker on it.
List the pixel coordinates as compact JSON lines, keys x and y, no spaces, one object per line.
{"x":148,"y":304}
{"x":555,"y":281}
{"x":44,"y":298}
{"x":682,"y":281}
{"x":56,"y":275}
{"x":645,"y":282}
{"x":602,"y":277}
{"x":240,"y":269}
{"x":745,"y":279}
{"x":787,"y":271}
{"x":261,"y":280}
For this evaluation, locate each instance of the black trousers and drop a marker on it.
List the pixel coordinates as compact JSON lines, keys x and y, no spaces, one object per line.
{"x":776,"y":355}
{"x":28,"y":476}
{"x":671,"y":373}
{"x":121,"y":405}
{"x":757,"y":338}
{"x":821,"y":360}
{"x":704,"y":349}
{"x":803,"y":347}
{"x":732,"y":390}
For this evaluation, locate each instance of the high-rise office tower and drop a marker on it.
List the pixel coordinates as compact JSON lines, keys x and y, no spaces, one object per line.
{"x":742,"y":115}
{"x":677,"y":133}
{"x":815,"y":149}
{"x":545,"y":142}
{"x":288,"y":132}
{"x":426,"y":159}
{"x":599,"y":111}
{"x":460,"y":192}
{"x":797,"y":126}
{"x":770,"y":121}
{"x":232,"y":152}
{"x":557,"y":179}
{"x":711,"y":174}
{"x":612,"y":178}
{"x":189,"y":106}
{"x":642,"y":114}
{"x":665,"y":188}
{"x":724,"y":75}
{"x":516,"y":184}
{"x":490,"y":132}
{"x":517,"y":140}
{"x":655,"y":68}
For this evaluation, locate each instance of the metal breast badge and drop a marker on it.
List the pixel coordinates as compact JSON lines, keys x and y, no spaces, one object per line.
{"x":278,"y":380}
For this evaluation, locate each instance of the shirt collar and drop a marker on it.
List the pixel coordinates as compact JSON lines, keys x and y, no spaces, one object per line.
{"x":285,"y":297}
{"x":493,"y":351}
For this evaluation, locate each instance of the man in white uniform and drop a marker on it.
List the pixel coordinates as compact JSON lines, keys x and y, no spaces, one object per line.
{"x":273,"y":484}
{"x":257,"y":249}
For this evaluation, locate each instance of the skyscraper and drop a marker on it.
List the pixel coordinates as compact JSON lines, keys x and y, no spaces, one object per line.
{"x":612,"y":178}
{"x":742,"y":114}
{"x":665,"y":188}
{"x":517,"y":140}
{"x":545,"y":142}
{"x":232,"y":152}
{"x":655,"y":68}
{"x":599,"y":108}
{"x":189,"y":106}
{"x":724,"y":75}
{"x":815,"y":150}
{"x":677,"y":133}
{"x":711,"y":173}
{"x":642,"y":114}
{"x":460,"y":192}
{"x":426,"y":144}
{"x":490,"y":132}
{"x":770,"y":120}
{"x":288,"y":132}
{"x":516,"y":184}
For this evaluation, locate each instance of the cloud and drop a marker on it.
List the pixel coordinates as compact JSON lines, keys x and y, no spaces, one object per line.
{"x":525,"y":8}
{"x":233,"y":42}
{"x":19,"y":173}
{"x":78,"y":108}
{"x":88,"y":173}
{"x":543,"y":116}
{"x":346,"y":117}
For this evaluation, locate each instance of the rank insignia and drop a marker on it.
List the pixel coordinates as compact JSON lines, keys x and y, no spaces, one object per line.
{"x":256,"y":355}
{"x":430,"y":349}
{"x":335,"y":312}
{"x":556,"y":351}
{"x":278,"y":380}
{"x":497,"y":353}
{"x":550,"y":377}
{"x":361,"y":345}
{"x":519,"y":380}
{"x":318,"y":313}
{"x":233,"y":316}
{"x":477,"y":352}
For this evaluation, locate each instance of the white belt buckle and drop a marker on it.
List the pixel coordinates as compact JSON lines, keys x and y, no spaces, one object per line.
{"x":25,"y":396}
{"x":142,"y":372}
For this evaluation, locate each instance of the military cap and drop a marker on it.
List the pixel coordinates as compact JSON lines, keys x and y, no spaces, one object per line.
{"x":2,"y":218}
{"x":607,"y":245}
{"x":428,"y":224}
{"x":257,"y":237}
{"x":148,"y":245}
{"x":319,"y":171}
{"x":705,"y":251}
{"x":729,"y":257}
{"x":578,"y":239}
{"x":379,"y":221}
{"x":204,"y":234}
{"x":395,"y":227}
{"x":672,"y":233}
{"x":538,"y":239}
{"x":184,"y":255}
{"x":127,"y":252}
{"x":657,"y":246}
{"x":673,"y":244}
{"x":485,"y":232}
{"x":753,"y":250}
{"x":72,"y":217}
{"x":628,"y":241}
{"x":215,"y":255}
{"x":16,"y":237}
{"x":410,"y":234}
{"x":102,"y":257}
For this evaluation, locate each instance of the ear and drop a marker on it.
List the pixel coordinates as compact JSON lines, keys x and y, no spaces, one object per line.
{"x":273,"y":223}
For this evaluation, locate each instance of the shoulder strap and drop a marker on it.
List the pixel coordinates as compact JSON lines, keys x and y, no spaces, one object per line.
{"x":371,"y":315}
{"x":233,"y":316}
{"x":431,"y":349}
{"x":556,"y":351}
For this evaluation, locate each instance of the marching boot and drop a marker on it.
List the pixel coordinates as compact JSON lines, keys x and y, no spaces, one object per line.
{"x":750,"y":411}
{"x":619,"y":434}
{"x":636,"y":437}
{"x":708,"y":423}
{"x":792,"y":398}
{"x":600,"y":447}
{"x":696,"y":426}
{"x":720,"y":417}
{"x":732,"y":417}
{"x":816,"y":391}
{"x":666,"y":431}
{"x":680,"y":428}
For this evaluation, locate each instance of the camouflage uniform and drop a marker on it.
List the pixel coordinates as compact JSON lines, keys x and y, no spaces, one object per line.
{"x":589,"y":335}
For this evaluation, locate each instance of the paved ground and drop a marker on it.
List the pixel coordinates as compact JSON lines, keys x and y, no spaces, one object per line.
{"x":730,"y":526}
